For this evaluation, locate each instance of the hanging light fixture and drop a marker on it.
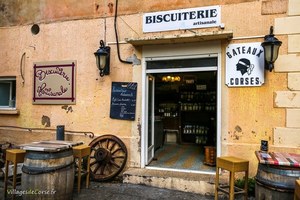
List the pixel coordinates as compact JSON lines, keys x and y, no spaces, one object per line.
{"x":171,"y":78}
{"x":271,"y":48}
{"x":103,"y":59}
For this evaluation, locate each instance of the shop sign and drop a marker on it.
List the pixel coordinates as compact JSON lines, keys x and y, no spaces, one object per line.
{"x":244,"y":65}
{"x":54,"y":82}
{"x":202,"y":17}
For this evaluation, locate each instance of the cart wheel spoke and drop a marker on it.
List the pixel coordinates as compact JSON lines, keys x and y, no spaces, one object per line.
{"x":116,"y":150}
{"x":96,"y":169}
{"x":118,"y":157}
{"x":102,"y":170}
{"x":114,"y":164}
{"x":112,"y":146}
{"x":93,"y":163}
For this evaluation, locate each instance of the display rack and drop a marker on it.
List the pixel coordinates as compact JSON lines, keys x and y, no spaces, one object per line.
{"x":197,"y":114}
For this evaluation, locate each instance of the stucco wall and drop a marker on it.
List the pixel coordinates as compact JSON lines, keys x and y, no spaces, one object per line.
{"x":46,"y":11}
{"x":248,"y":114}
{"x":69,"y":40}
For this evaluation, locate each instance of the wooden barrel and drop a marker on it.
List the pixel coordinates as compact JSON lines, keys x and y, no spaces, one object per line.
{"x":48,"y":175}
{"x":275,"y":182}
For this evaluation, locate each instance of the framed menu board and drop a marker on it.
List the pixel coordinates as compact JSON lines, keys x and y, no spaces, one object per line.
{"x":123,"y":100}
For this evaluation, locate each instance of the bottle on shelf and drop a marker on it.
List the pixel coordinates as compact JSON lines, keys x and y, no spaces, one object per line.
{"x":195,"y":129}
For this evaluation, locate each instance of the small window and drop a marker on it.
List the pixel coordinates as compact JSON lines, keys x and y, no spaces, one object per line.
{"x":7,"y":92}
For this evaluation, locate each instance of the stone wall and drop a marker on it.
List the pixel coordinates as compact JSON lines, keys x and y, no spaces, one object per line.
{"x":289,"y":135}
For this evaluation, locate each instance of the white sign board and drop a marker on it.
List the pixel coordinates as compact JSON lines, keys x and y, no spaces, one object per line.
{"x":244,"y":65}
{"x":190,"y":18}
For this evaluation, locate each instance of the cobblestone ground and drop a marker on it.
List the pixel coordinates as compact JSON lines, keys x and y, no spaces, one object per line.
{"x":121,"y":191}
{"x":116,"y":190}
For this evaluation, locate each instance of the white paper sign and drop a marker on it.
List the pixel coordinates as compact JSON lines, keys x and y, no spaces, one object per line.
{"x":190,"y":18}
{"x":244,"y":65}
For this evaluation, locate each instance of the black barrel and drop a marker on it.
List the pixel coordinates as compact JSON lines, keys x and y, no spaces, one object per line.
{"x":48,"y":175}
{"x":275,"y":182}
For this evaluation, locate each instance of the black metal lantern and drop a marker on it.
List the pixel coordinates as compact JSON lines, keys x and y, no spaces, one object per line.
{"x":103,"y":59}
{"x":271,"y":48}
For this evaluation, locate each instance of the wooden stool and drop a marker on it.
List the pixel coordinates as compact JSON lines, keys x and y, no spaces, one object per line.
{"x":15,"y":156}
{"x":80,"y":152}
{"x":297,"y":190}
{"x":232,"y":164}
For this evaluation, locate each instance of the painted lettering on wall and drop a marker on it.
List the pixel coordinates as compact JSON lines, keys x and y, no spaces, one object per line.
{"x":244,"y":65}
{"x":202,"y":17}
{"x":54,"y":82}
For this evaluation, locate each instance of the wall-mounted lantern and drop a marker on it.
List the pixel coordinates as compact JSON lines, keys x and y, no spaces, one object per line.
{"x":271,"y":48}
{"x":103,"y":59}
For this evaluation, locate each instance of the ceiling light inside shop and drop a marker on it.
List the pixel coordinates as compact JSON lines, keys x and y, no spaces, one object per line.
{"x":171,"y":78}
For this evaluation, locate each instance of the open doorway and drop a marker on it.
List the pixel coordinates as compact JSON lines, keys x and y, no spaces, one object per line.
{"x":182,"y":108}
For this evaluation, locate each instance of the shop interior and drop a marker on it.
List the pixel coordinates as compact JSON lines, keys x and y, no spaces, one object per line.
{"x":185,"y":120}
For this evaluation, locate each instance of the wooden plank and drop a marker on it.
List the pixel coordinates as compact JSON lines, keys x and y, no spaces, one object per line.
{"x":50,"y":146}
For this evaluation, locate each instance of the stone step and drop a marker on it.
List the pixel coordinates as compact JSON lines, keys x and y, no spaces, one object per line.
{"x":174,"y":180}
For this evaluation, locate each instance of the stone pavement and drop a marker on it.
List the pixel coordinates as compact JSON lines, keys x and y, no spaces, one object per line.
{"x":117,"y":190}
{"x":124,"y":191}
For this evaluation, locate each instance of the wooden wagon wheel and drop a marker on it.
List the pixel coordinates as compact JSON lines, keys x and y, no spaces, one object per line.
{"x":108,"y":157}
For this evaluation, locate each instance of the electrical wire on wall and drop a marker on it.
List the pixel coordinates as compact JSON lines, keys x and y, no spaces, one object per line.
{"x":21,"y":68}
{"x":117,"y":37}
{"x":104,"y":29}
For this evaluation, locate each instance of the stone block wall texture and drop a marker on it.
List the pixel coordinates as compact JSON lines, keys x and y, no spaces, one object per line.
{"x":289,"y":136}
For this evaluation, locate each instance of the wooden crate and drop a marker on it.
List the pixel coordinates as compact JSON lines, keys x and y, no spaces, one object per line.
{"x":210,"y":155}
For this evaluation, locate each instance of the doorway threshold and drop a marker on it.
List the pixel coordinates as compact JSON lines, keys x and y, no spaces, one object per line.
{"x":181,"y":170}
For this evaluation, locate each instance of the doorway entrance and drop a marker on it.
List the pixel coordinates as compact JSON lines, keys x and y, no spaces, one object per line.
{"x":181,"y":114}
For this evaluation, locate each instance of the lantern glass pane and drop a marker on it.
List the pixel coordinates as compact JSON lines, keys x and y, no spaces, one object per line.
{"x":97,"y":62}
{"x":102,"y":61}
{"x":275,"y":52}
{"x":268,"y":52}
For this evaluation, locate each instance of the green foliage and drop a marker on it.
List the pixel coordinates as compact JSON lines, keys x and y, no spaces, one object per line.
{"x":251,"y":185}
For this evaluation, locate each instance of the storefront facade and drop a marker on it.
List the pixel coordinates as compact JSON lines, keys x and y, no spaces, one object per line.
{"x":242,"y":111}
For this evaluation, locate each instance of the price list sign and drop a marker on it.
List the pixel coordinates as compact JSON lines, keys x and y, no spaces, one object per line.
{"x":123,"y":100}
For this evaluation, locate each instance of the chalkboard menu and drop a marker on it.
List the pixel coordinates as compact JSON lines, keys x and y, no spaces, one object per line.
{"x":264,"y":145}
{"x":123,"y":100}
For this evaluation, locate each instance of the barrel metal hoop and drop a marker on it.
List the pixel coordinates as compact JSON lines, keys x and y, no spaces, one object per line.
{"x":273,"y":187}
{"x":37,"y":170}
{"x":280,"y":171}
{"x":41,"y":155}
{"x":264,"y":171}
